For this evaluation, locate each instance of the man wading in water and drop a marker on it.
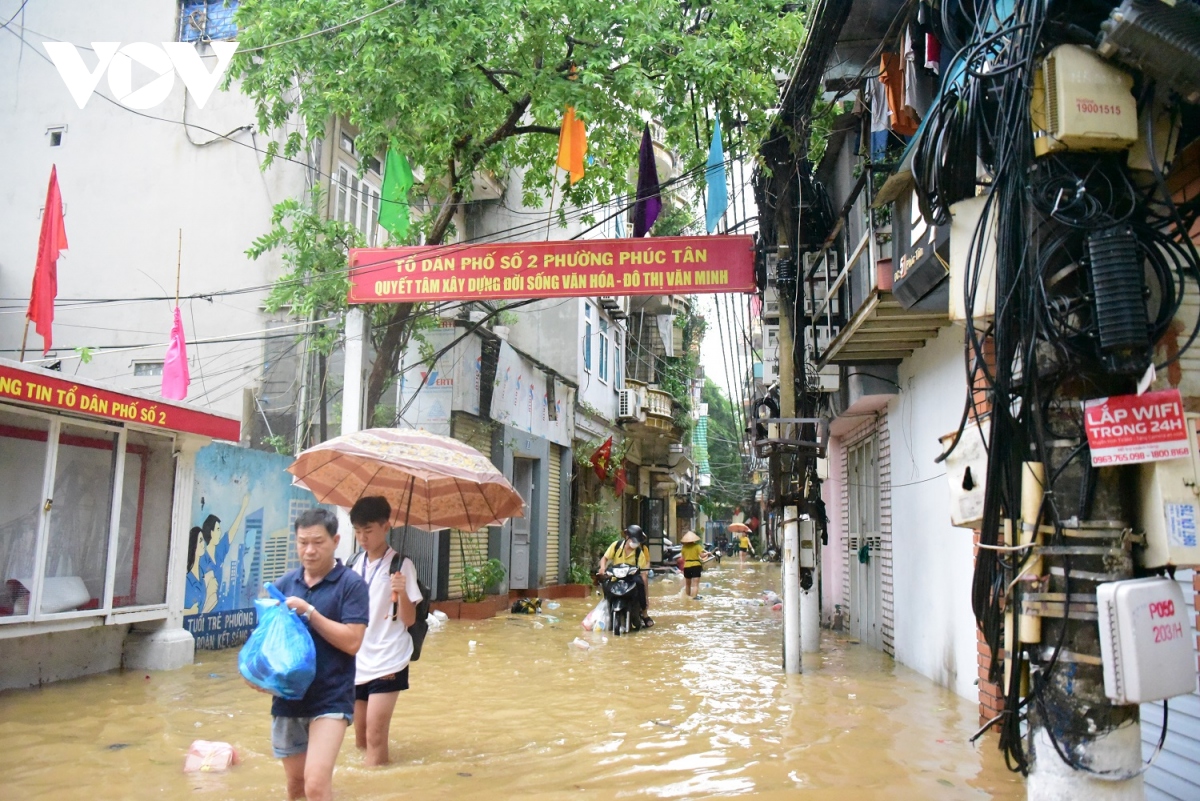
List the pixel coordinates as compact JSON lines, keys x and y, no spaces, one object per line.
{"x":307,"y":734}
{"x":387,"y":646}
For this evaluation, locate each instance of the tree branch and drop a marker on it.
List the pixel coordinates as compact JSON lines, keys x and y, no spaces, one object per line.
{"x":530,"y":129}
{"x":491,"y":76}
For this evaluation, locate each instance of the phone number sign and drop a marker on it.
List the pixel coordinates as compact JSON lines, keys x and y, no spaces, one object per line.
{"x":1127,"y":429}
{"x":681,"y":265}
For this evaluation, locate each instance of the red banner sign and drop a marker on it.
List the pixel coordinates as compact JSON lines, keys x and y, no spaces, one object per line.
{"x":1126,"y":429}
{"x":38,"y":389}
{"x":677,"y":265}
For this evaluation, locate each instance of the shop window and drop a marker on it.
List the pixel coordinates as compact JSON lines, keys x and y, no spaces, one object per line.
{"x":144,"y":536}
{"x":22,"y":468}
{"x":64,"y":526}
{"x":79,"y":520}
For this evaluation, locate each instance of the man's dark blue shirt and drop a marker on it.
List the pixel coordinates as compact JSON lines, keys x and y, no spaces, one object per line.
{"x":342,"y":597}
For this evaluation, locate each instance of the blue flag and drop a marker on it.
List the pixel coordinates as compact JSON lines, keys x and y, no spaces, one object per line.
{"x":718,"y":197}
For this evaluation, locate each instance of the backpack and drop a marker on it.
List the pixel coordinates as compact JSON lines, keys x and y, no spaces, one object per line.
{"x":420,"y":626}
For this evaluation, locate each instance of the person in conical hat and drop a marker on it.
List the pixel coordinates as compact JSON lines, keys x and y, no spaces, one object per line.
{"x":693,"y":554}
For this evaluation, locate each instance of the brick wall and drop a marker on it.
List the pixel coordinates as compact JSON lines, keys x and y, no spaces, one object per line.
{"x":991,"y":696}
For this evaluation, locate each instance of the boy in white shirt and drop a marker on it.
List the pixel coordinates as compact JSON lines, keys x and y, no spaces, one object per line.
{"x":387,"y":647}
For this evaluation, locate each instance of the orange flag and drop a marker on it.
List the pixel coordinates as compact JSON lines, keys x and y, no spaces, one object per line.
{"x":572,"y":145}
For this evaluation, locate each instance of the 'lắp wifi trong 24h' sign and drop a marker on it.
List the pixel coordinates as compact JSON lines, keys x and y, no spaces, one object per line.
{"x":678,"y":265}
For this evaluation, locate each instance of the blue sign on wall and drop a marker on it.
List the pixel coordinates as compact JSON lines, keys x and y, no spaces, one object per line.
{"x":243,"y":510}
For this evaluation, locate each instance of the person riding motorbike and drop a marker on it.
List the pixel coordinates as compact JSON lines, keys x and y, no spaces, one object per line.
{"x":632,"y":550}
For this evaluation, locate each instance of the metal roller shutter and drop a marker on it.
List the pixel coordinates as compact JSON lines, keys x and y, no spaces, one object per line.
{"x":552,"y":510}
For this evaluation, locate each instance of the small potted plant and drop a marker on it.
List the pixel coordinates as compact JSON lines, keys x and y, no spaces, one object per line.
{"x":579,"y":581}
{"x":476,"y":581}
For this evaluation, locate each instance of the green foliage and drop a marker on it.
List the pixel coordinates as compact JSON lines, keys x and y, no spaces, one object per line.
{"x":279,"y":443}
{"x":442,"y":80}
{"x":677,"y":219}
{"x":478,"y":579}
{"x":587,"y":548}
{"x":314,"y":251}
{"x":730,"y":486}
{"x":578,"y":573}
{"x":460,"y":86}
{"x":85,"y":354}
{"x":823,"y":114}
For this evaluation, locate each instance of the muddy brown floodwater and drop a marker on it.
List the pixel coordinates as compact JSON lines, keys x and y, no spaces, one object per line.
{"x":694,"y":708}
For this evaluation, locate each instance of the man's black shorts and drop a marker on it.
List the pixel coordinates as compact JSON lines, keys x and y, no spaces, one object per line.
{"x":391,"y":683}
{"x":693,"y":572}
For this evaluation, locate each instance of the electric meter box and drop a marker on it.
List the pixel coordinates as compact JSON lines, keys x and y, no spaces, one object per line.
{"x":966,"y":470}
{"x":964,"y":220}
{"x":1145,"y":640}
{"x":1082,"y":102}
{"x":1169,"y":512}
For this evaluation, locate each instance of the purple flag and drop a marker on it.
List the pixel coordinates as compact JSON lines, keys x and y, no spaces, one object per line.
{"x":649,"y":204}
{"x":175,"y":378}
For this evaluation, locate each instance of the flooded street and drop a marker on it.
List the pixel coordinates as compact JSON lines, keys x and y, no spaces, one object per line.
{"x":695,"y":708}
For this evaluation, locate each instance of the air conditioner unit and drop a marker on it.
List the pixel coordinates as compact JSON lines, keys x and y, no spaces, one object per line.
{"x":1081,"y":102}
{"x":610,"y":302}
{"x":628,"y":406}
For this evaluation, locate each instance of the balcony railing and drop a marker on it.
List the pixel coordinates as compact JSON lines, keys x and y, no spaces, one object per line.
{"x":658,"y":403}
{"x":852,"y":314}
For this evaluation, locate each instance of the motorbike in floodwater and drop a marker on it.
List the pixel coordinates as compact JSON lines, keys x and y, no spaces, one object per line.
{"x":771,"y":554}
{"x":620,"y":585}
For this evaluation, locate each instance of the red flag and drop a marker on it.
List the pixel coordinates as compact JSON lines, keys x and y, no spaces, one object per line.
{"x":620,"y":482}
{"x":600,"y":459}
{"x":51,"y":241}
{"x":175,"y":377}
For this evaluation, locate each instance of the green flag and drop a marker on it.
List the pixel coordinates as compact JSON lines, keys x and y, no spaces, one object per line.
{"x":397,"y":180}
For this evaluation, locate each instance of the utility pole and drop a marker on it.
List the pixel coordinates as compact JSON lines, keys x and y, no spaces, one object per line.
{"x":353,"y":384}
{"x":786,"y":282}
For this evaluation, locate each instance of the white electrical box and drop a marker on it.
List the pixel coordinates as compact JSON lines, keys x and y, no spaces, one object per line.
{"x":964,"y":253}
{"x":966,"y":470}
{"x":1169,"y":512}
{"x":1145,"y":640}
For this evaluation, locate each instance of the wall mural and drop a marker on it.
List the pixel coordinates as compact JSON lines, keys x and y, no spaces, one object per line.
{"x":243,"y":509}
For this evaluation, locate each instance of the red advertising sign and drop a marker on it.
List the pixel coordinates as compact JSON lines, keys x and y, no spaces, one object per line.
{"x":678,"y":265}
{"x":38,"y":389}
{"x":1126,"y":429}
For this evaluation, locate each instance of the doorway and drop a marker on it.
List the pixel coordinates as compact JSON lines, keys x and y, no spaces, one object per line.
{"x":520,"y":551}
{"x":864,"y":552}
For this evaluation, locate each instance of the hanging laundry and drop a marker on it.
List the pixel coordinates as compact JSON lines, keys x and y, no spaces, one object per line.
{"x":880,"y":122}
{"x":891,"y":75}
{"x":933,"y":54}
{"x":918,"y":85}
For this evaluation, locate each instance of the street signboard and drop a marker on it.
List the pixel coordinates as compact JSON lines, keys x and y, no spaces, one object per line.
{"x":1127,"y":429}
{"x":680,"y":265}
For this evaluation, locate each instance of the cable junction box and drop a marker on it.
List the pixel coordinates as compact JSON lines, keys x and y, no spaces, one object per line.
{"x":1145,"y":640}
{"x":1081,"y":102}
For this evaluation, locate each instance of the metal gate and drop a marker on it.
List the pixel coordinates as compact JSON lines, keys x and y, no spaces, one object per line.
{"x":864,"y":551}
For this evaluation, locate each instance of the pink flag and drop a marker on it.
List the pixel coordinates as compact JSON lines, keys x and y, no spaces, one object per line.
{"x":175,"y":377}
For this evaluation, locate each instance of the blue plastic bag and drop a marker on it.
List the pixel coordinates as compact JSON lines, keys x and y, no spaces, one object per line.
{"x":280,"y":656}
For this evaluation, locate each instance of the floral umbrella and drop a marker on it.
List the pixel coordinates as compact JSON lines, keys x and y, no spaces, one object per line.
{"x":431,"y":482}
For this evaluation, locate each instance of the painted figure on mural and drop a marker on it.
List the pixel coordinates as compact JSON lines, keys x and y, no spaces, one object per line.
{"x":208,"y":545}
